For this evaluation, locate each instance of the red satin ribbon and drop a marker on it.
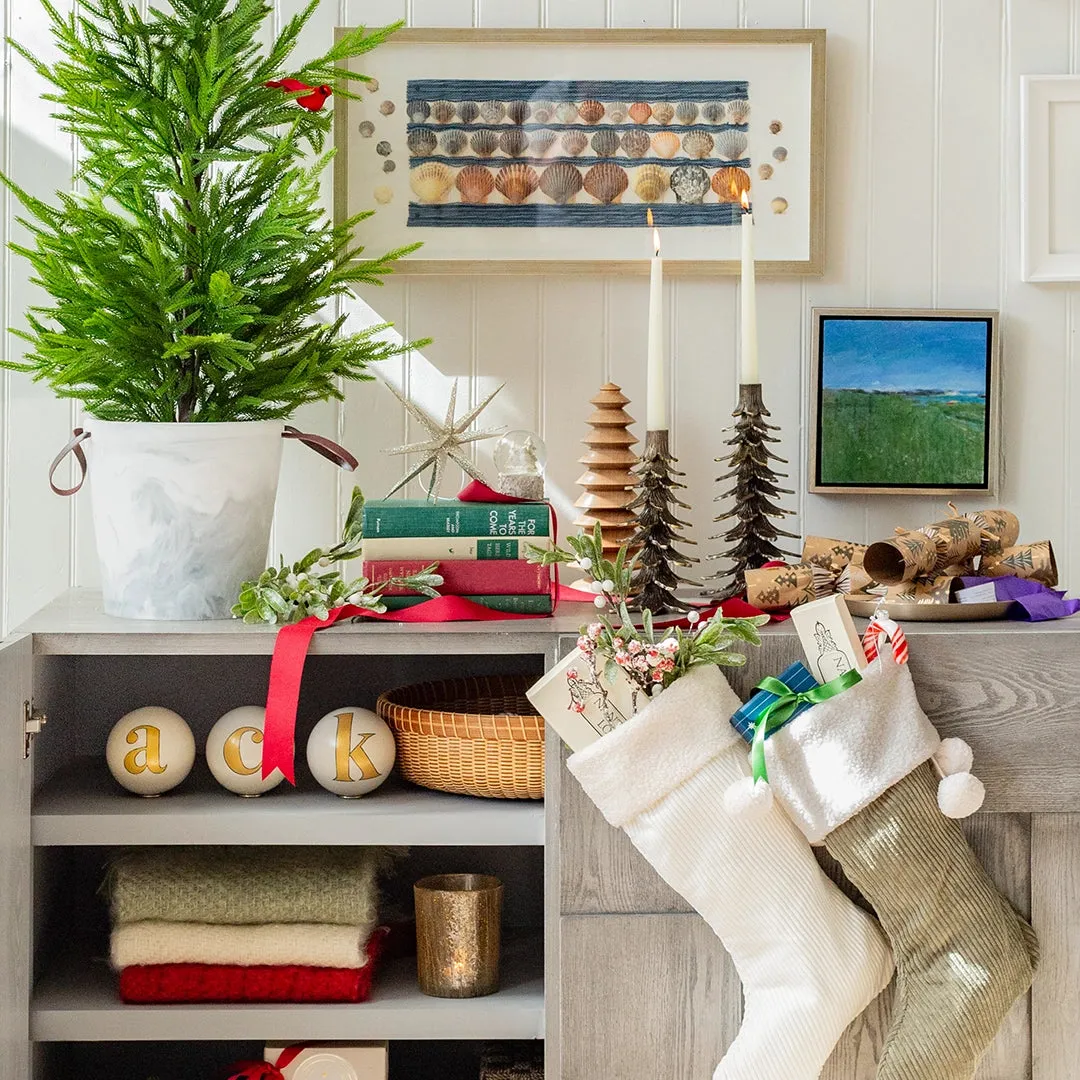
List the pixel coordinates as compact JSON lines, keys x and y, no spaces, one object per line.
{"x":263,"y":1070}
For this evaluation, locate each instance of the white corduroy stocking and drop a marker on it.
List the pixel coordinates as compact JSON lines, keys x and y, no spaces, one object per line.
{"x":809,"y":960}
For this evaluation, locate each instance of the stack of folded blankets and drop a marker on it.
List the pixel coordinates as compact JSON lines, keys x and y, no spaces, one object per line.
{"x":246,"y":924}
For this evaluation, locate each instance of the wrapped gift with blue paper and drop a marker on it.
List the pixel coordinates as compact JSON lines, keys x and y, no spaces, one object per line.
{"x":796,"y":678}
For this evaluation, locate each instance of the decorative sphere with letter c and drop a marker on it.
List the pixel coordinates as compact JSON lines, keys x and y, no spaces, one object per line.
{"x":351,"y":751}
{"x":150,"y":750}
{"x":234,"y":752}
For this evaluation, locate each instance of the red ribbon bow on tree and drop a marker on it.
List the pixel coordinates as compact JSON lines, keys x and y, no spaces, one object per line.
{"x":263,"y":1070}
{"x":313,"y":101}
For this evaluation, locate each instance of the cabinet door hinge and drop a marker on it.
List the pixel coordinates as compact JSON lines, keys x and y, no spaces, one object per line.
{"x":33,"y":722}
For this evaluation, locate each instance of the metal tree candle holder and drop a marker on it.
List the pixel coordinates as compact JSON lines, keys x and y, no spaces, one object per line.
{"x":755,"y":512}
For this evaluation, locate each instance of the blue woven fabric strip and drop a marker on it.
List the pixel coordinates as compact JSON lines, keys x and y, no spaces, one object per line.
{"x":652,"y":129}
{"x":576,"y":90}
{"x":573,"y":215}
{"x":797,"y":677}
{"x":584,"y":164}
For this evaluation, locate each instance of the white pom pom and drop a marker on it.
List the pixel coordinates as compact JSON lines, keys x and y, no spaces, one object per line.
{"x":607,"y":585}
{"x":748,"y":800}
{"x":954,"y":756}
{"x":599,"y":601}
{"x":960,"y":795}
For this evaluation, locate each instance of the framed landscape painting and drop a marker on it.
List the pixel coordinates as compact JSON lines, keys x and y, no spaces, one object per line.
{"x":904,"y":402}
{"x":511,"y":151}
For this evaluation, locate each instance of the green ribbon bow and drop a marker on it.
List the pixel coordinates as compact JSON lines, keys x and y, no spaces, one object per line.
{"x":777,"y":713}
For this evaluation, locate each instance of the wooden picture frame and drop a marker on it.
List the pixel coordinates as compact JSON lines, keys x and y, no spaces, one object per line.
{"x":1050,"y":140}
{"x":385,"y":137}
{"x":903,"y":403}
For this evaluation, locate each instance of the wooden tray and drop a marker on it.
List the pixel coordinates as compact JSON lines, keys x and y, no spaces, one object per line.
{"x":931,"y":612}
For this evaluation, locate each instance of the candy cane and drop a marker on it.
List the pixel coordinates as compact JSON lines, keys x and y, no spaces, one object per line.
{"x":889,"y":630}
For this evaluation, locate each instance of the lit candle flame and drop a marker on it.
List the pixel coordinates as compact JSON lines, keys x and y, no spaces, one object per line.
{"x":744,"y":197}
{"x":655,"y":231}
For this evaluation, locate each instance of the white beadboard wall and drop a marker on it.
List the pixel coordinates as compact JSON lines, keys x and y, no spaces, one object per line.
{"x":923,"y":210}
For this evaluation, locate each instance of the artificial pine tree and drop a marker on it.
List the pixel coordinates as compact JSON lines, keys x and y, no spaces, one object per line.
{"x":658,"y":530}
{"x":188,"y":274}
{"x":754,"y":490}
{"x":609,"y":463}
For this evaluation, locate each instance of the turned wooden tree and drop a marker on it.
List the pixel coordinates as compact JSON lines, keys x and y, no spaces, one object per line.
{"x":609,"y":479}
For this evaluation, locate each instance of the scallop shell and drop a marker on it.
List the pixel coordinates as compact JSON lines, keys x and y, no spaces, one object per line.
{"x":731,"y":144}
{"x":454,"y":141}
{"x":592,"y":112}
{"x":418,"y":111}
{"x":780,"y":153}
{"x":651,"y":183}
{"x":574,"y":142}
{"x":566,"y":112}
{"x":484,"y":142}
{"x":635,"y":142}
{"x":468,"y":111}
{"x":617,"y":111}
{"x":421,"y":141}
{"x":663,"y":111}
{"x":383,"y":194}
{"x":713,"y":112}
{"x":387,"y":108}
{"x":540,"y":142}
{"x":442,"y":112}
{"x":389,"y":165}
{"x":640,"y":112}
{"x":513,"y":142}
{"x":561,"y":182}
{"x":686,"y":112}
{"x":775,"y":127}
{"x":606,"y":182}
{"x":431,"y":181}
{"x":543,"y":111}
{"x":779,"y":204}
{"x":517,"y":182}
{"x":698,"y":144}
{"x":518,"y":112}
{"x":666,"y":143}
{"x":372,"y":85}
{"x":729,"y":183}
{"x":690,"y":183}
{"x":367,"y":128}
{"x":475,"y":183}
{"x":765,"y":171}
{"x":605,"y":142}
{"x":384,"y":149}
{"x":738,"y":111}
{"x":491,"y":112}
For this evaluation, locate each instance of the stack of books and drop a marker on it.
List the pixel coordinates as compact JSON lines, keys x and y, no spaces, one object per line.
{"x":481,"y":549}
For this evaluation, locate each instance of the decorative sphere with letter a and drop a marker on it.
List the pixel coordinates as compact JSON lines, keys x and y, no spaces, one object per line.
{"x":150,"y":750}
{"x":234,"y":752}
{"x":351,"y":751}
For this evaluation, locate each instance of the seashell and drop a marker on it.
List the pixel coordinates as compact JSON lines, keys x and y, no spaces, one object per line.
{"x":418,"y":111}
{"x":605,"y":142}
{"x":484,"y":142}
{"x":780,"y":153}
{"x":561,"y":182}
{"x":690,"y":183}
{"x":491,"y":112}
{"x":606,"y":182}
{"x":372,"y":85}
{"x":713,"y":112}
{"x":574,"y":142}
{"x":543,"y":111}
{"x":635,"y":142}
{"x":765,"y":171}
{"x":517,"y":112}
{"x":421,"y":141}
{"x":454,"y":141}
{"x":666,"y":143}
{"x":389,"y":165}
{"x":738,"y":111}
{"x":387,"y":108}
{"x":698,"y":144}
{"x":729,"y":183}
{"x":651,"y":183}
{"x":592,"y":112}
{"x":640,"y":112}
{"x":384,"y":149}
{"x":517,"y":182}
{"x":731,"y":144}
{"x":468,"y":111}
{"x":567,"y":112}
{"x":475,"y":183}
{"x":775,"y":127}
{"x":513,"y":142}
{"x":367,"y":129}
{"x":540,"y":142}
{"x":663,"y":111}
{"x":431,"y":181}
{"x":779,"y":204}
{"x":617,"y":111}
{"x":383,"y":194}
{"x":686,"y":112}
{"x":442,"y":112}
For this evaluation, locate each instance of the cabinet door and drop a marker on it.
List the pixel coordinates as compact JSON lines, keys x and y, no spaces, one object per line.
{"x":15,"y":862}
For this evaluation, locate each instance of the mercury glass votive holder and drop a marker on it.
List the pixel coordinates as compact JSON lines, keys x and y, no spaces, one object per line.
{"x":458,"y":933}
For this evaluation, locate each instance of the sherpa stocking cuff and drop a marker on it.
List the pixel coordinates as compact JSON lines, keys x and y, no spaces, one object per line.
{"x":641,"y":761}
{"x":835,"y":759}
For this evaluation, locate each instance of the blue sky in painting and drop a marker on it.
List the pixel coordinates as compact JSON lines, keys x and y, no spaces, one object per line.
{"x":904,"y":354}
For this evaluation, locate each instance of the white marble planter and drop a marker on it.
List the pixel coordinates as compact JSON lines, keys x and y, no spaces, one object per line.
{"x":182,"y":513}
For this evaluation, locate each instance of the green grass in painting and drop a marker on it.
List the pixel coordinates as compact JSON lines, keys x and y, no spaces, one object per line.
{"x":891,"y":438}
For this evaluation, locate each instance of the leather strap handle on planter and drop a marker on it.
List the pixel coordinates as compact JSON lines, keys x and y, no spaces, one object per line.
{"x":321,"y":445}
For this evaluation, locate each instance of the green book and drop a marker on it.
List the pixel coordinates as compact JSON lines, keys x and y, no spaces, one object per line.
{"x":417,"y":517}
{"x":447,"y":548}
{"x":520,"y":605}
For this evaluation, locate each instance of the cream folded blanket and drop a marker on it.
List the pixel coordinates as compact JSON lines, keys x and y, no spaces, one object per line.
{"x":203,"y":943}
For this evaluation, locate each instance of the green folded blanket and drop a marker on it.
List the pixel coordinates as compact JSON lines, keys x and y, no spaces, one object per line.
{"x":247,"y":886}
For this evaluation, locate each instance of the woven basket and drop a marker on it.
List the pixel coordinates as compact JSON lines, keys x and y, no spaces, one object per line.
{"x":478,"y":736}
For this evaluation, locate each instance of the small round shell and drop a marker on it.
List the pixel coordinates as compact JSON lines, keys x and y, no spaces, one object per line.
{"x":573,"y":142}
{"x":606,"y":182}
{"x":516,"y":182}
{"x":713,"y":112}
{"x":738,"y":111}
{"x":698,"y":144}
{"x":421,"y":141}
{"x":517,"y":112}
{"x":418,"y":111}
{"x":765,"y":171}
{"x":431,"y":181}
{"x":665,"y":143}
{"x":468,"y":111}
{"x":513,"y":142}
{"x":635,"y":143}
{"x":686,"y":112}
{"x":454,"y":141}
{"x":367,"y":128}
{"x":389,"y":165}
{"x":690,"y":183}
{"x":475,"y":183}
{"x":491,"y":112}
{"x":541,"y":141}
{"x":387,"y":108}
{"x":731,"y":144}
{"x":640,"y":112}
{"x":372,"y":85}
{"x":561,"y":182}
{"x":651,"y":183}
{"x":780,"y":153}
{"x":484,"y":142}
{"x":617,"y":111}
{"x":442,"y":112}
{"x":663,"y":112}
{"x":779,"y":204}
{"x":383,"y":194}
{"x":543,"y":111}
{"x":730,"y":183}
{"x":605,"y":142}
{"x":384,"y":149}
{"x":775,"y":127}
{"x":567,"y":112}
{"x":592,"y":112}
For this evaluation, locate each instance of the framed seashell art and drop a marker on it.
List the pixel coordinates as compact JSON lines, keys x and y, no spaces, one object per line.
{"x":519,"y":150}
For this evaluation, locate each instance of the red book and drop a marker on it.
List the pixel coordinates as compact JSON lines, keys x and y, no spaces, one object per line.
{"x":467,"y":577}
